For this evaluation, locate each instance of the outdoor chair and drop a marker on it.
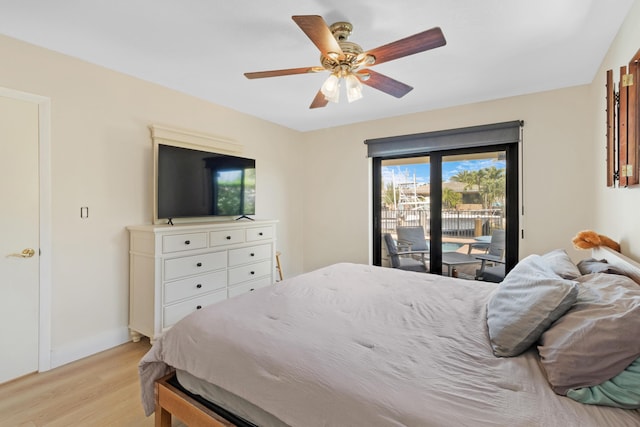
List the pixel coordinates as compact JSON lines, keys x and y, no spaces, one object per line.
{"x":492,"y":251}
{"x":402,"y":259}
{"x":412,"y":239}
{"x":492,"y":268}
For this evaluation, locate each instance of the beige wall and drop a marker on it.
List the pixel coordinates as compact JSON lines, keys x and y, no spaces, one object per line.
{"x":102,"y":158}
{"x":616,"y":210}
{"x":317,"y":184}
{"x":555,"y":148}
{"x":563,"y":167}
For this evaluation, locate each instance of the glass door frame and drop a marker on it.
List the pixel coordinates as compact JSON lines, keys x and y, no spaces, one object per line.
{"x":435,"y":158}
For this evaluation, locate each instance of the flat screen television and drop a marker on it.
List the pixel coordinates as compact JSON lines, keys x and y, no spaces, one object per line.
{"x":195,"y":183}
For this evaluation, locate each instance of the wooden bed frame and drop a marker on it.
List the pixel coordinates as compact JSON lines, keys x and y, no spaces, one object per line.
{"x":171,"y":400}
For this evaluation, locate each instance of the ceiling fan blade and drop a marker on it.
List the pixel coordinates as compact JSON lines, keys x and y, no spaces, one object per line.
{"x":318,"y":31}
{"x":285,"y":72}
{"x":429,"y":39}
{"x":384,"y":83}
{"x":319,"y":101}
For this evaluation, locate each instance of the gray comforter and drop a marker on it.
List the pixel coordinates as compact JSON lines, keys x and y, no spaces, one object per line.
{"x":356,"y":345}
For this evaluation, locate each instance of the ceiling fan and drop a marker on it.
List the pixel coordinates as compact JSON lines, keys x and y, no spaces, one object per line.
{"x":347,"y":60}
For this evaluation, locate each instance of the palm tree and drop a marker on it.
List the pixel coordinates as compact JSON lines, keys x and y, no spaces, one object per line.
{"x":493,"y":185}
{"x":490,"y":183}
{"x":450,"y":198}
{"x":388,"y":196}
{"x":466,"y":177}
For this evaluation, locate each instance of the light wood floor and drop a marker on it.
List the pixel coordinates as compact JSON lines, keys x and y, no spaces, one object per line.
{"x":101,"y":390}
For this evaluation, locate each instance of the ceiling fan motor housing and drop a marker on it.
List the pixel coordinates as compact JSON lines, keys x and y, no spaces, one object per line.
{"x":341,"y":30}
{"x":351,"y":58}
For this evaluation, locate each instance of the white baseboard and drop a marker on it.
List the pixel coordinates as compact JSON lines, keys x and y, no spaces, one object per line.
{"x":61,"y":355}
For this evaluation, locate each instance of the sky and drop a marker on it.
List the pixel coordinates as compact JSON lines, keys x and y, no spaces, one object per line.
{"x":449,"y":169}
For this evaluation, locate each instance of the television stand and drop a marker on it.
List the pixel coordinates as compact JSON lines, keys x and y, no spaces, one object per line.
{"x":246,"y":217}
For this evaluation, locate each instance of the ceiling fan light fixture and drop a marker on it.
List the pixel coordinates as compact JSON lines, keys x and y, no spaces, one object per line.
{"x":331,"y":88}
{"x":354,"y":87}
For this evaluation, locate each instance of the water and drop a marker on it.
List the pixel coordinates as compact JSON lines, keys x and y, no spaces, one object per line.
{"x":451,"y":246}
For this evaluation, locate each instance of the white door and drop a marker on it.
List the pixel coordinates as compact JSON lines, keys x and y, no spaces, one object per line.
{"x":19,"y":234}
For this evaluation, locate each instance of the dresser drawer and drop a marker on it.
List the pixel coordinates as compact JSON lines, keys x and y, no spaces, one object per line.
{"x":236,"y":290}
{"x":250,"y":254}
{"x":173,"y":313}
{"x":193,"y":286}
{"x":184,"y":242}
{"x":178,"y":267}
{"x":226,"y":237}
{"x":249,"y":272}
{"x":259,"y":233}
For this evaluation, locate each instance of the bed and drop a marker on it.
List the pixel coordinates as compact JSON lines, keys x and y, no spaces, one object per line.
{"x":358,"y":345}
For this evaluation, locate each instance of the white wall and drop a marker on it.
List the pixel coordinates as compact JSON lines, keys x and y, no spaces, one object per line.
{"x":102,"y":158}
{"x":616,"y":210}
{"x":556,"y":146}
{"x":317,"y":184}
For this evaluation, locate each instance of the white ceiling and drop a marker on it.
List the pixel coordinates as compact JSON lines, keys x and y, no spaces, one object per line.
{"x":495,"y":48}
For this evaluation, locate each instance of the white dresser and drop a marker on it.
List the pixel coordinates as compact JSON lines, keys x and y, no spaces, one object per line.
{"x":178,"y":269}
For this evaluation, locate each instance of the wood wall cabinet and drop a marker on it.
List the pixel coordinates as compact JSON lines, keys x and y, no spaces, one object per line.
{"x":176,"y":270}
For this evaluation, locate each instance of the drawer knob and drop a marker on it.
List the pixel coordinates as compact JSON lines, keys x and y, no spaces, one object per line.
{"x":187,"y":242}
{"x":260,"y":233}
{"x":252,"y":254}
{"x":252,"y":289}
{"x":252,"y":273}
{"x":198,"y":286}
{"x":199,"y":264}
{"x":198,"y":307}
{"x":228,"y":237}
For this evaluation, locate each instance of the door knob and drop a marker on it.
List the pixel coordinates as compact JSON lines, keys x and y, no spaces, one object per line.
{"x":27,"y":253}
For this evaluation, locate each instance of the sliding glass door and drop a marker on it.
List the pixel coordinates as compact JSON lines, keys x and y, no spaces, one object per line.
{"x":472,"y":210}
{"x":461,"y":200}
{"x":405,"y":193}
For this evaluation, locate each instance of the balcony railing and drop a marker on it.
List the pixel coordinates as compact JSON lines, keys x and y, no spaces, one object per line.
{"x":455,"y":223}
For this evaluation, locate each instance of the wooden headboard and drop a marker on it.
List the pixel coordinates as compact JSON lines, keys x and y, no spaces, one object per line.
{"x":624,"y":263}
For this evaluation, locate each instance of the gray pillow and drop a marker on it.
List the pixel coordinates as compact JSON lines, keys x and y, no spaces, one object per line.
{"x":529,"y":299}
{"x":597,"y":338}
{"x":592,"y":265}
{"x":561,"y":264}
